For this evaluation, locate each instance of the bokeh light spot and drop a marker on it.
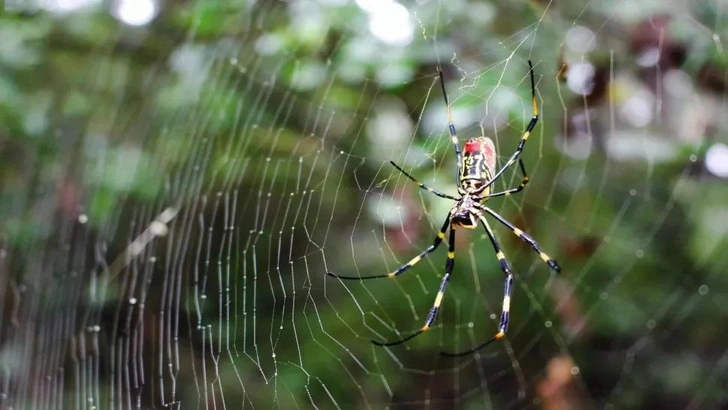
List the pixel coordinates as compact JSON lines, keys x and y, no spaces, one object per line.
{"x":135,"y":12}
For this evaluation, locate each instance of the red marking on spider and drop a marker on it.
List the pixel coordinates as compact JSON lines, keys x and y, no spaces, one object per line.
{"x":483,"y":146}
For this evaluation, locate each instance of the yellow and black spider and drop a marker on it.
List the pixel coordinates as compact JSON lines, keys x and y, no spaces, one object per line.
{"x":475,"y":178}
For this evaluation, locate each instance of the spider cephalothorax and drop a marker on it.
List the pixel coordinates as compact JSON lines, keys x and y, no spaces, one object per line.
{"x":463,"y":215}
{"x":476,"y":175}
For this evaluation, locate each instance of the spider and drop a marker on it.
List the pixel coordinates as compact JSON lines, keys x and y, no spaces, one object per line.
{"x":475,"y":177}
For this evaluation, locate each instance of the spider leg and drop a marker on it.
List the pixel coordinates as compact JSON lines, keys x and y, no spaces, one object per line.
{"x":423,"y":186}
{"x":526,"y":238}
{"x":438,"y":239}
{"x":432,"y":315}
{"x":526,"y":134}
{"x":508,"y":289}
{"x":514,"y":190}
{"x":451,"y":127}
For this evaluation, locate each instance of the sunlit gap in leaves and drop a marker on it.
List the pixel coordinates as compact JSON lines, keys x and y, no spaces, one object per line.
{"x":389,"y":21}
{"x":716,"y":160}
{"x":135,"y":12}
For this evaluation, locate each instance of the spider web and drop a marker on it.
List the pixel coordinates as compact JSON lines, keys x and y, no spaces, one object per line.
{"x":170,"y":212}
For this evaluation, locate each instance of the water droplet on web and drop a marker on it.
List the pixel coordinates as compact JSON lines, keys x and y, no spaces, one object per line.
{"x":158,"y":228}
{"x":203,"y":296}
{"x":82,"y":218}
{"x":132,"y":301}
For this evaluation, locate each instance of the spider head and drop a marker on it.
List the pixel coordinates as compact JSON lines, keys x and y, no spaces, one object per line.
{"x":463,"y":215}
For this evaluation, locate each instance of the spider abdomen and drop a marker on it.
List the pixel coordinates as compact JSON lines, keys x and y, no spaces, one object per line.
{"x":478,"y":163}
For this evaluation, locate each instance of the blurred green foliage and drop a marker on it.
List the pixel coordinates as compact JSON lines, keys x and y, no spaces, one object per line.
{"x":252,"y":120}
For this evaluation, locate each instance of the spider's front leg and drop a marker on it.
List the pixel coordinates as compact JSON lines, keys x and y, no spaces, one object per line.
{"x":526,"y":134}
